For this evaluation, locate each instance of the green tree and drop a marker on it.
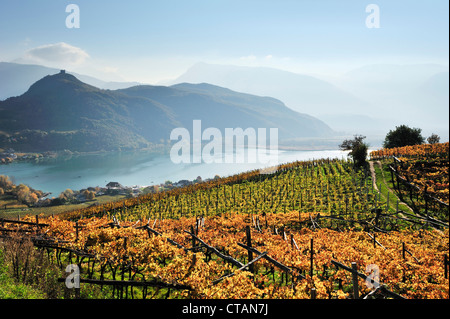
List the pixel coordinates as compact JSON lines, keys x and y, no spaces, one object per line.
{"x":358,"y":150}
{"x":403,"y":135}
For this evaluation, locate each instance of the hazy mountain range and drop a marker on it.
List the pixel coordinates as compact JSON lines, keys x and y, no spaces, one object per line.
{"x":370,"y":99}
{"x":417,"y":93}
{"x":61,"y":112}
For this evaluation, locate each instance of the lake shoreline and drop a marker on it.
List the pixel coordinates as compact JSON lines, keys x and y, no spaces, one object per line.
{"x":147,"y":171}
{"x":301,"y":144}
{"x":141,"y":167}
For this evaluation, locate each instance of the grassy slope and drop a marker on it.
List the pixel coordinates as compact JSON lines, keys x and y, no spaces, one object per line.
{"x":384,"y":183}
{"x":15,"y":208}
{"x":9,"y":289}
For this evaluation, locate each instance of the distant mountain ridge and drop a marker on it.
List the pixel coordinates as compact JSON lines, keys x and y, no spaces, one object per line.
{"x":371,"y":99}
{"x":15,"y":79}
{"x":300,"y":92}
{"x":61,"y":112}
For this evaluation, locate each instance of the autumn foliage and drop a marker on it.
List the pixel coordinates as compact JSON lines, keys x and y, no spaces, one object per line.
{"x":418,"y":274}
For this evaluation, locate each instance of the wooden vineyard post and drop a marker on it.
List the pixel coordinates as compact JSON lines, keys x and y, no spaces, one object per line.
{"x":193,"y":239}
{"x":265,"y":218}
{"x":76,"y":231}
{"x":258,"y":226}
{"x":249,"y":244}
{"x":283,"y":234}
{"x":125,"y":243}
{"x":66,"y":290}
{"x":426,"y":202}
{"x":77,"y":293}
{"x":312,"y":257}
{"x":379,"y":193}
{"x":293,"y":243}
{"x":313,"y":293}
{"x":446,"y":266}
{"x":355,"y":280}
{"x":392,"y":177}
{"x":37,"y":224}
{"x":374,"y":241}
{"x":377,"y":217}
{"x":410,"y":188}
{"x":387,"y":204}
{"x":403,"y":250}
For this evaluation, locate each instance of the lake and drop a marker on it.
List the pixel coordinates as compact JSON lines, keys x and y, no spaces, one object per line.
{"x":134,"y":168}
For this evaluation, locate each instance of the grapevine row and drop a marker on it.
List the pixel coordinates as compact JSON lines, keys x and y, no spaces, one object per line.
{"x":130,"y":252}
{"x":328,"y":186}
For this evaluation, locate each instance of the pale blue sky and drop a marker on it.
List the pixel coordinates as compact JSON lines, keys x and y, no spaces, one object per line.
{"x":149,"y":41}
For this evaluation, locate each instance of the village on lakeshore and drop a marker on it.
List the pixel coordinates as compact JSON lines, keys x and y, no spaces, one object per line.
{"x":115,"y":188}
{"x":37,"y":198}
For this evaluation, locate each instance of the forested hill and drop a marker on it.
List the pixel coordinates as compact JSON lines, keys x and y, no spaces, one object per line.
{"x":60,"y":112}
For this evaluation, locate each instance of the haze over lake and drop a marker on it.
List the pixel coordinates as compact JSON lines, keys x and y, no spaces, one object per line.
{"x":134,"y":168}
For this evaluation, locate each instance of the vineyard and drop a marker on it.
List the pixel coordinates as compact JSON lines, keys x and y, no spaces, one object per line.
{"x":329,"y":186}
{"x":312,"y":229}
{"x":419,"y":174}
{"x":425,"y":150}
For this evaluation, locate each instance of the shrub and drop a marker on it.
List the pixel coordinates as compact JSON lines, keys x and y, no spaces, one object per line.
{"x":358,"y":150}
{"x":403,"y":136}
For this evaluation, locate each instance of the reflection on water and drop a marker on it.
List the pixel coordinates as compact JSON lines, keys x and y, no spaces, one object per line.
{"x":134,"y":168}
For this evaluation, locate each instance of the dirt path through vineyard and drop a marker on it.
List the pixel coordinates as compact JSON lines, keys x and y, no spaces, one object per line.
{"x":374,"y":176}
{"x":374,"y":180}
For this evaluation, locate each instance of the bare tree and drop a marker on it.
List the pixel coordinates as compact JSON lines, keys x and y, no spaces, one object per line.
{"x":433,"y":139}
